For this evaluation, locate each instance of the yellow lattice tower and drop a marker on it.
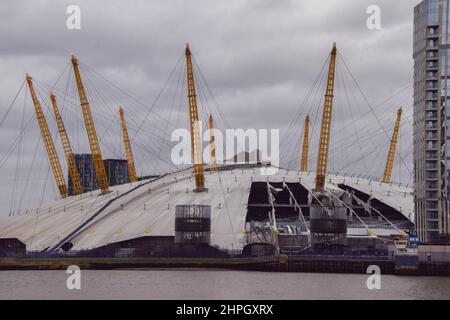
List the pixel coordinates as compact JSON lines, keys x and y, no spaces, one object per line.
{"x":73,"y":171}
{"x":325,"y":131}
{"x":48,"y":141}
{"x":212,"y":144}
{"x":393,"y":146}
{"x":127,"y":144}
{"x":305,"y":146}
{"x":194,"y":122}
{"x":91,"y":132}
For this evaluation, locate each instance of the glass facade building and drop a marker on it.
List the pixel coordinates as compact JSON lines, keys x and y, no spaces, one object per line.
{"x":116,"y":171}
{"x":431,"y":53}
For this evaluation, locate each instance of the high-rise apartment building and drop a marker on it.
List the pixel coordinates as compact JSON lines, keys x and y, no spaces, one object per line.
{"x":431,"y":52}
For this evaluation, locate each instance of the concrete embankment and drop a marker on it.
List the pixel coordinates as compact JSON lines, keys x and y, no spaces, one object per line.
{"x":271,"y":264}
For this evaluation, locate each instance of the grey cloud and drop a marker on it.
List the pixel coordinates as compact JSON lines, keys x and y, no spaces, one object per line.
{"x":260,"y":57}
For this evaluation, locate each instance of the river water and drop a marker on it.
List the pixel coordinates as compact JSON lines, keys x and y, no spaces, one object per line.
{"x":215,"y":284}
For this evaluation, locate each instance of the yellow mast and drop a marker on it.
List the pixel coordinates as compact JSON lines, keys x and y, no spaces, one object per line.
{"x":325,"y":131}
{"x":212,"y":144}
{"x":127,"y":144}
{"x":73,"y":171}
{"x":194,"y":122}
{"x":48,"y":141}
{"x":305,"y":146}
{"x":391,"y":155}
{"x":91,"y":132}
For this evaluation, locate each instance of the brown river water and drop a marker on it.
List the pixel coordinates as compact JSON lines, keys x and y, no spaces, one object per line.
{"x":216,"y":284}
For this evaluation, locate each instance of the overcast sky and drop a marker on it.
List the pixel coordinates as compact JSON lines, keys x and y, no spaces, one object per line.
{"x":259,"y":57}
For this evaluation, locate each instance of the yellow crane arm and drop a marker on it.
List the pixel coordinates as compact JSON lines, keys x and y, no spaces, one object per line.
{"x":91,"y":132}
{"x":212,"y":144}
{"x":73,"y":171}
{"x":127,"y":144}
{"x":305,"y":146}
{"x":325,"y":131}
{"x":194,"y":122}
{"x":393,"y":146}
{"x":48,"y":141}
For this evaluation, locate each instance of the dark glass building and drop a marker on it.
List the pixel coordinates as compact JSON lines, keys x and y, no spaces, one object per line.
{"x":116,"y":171}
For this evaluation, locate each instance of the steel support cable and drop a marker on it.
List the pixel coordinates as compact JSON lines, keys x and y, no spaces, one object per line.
{"x":204,"y":106}
{"x":30,"y":171}
{"x":336,"y":147}
{"x":368,"y":135}
{"x":316,"y":102}
{"x":320,"y":101}
{"x":316,"y":93}
{"x":139,"y":103}
{"x":74,"y":108}
{"x":180,"y":103}
{"x":178,"y":73}
{"x":149,"y":109}
{"x":179,"y":77}
{"x":95,"y":96}
{"x":110,"y":94}
{"x":368,"y":103}
{"x":350,"y":164}
{"x":366,"y":126}
{"x":220,"y":114}
{"x":337,"y":118}
{"x":12,"y":104}
{"x":357,"y":216}
{"x":100,"y":100}
{"x":48,"y":88}
{"x":153,"y":153}
{"x":21,"y":133}
{"x":202,"y":87}
{"x":18,"y":159}
{"x":297,"y":205}
{"x":207,"y":97}
{"x":356,"y":131}
{"x":299,"y":111}
{"x":130,"y":122}
{"x":339,"y":149}
{"x":345,"y":138}
{"x":131,"y":126}
{"x":15,"y":141}
{"x":358,"y":200}
{"x":363,"y":157}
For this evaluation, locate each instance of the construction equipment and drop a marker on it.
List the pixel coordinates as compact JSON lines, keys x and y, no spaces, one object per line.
{"x":194,"y":122}
{"x":305,"y":146}
{"x":325,"y":131}
{"x":212,"y":144}
{"x":48,"y":141}
{"x":73,"y":171}
{"x":91,"y":132}
{"x":127,"y":144}
{"x":391,"y":155}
